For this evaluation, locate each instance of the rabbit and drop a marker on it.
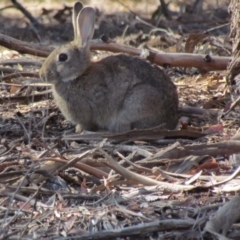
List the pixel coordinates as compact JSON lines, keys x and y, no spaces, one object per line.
{"x":117,"y":93}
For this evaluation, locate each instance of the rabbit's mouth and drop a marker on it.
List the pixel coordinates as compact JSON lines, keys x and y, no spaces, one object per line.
{"x":45,"y":77}
{"x":42,"y":75}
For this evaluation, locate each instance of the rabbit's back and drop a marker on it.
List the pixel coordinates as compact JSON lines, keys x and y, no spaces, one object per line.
{"x":137,"y":71}
{"x":152,"y":98}
{"x":119,"y":93}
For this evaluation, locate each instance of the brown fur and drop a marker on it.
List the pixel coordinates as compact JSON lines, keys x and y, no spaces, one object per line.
{"x":118,"y":93}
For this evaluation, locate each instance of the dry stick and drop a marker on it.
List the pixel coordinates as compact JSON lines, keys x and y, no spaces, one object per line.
{"x":161,"y":152}
{"x":82,"y":166}
{"x":136,"y":230}
{"x":232,"y":107}
{"x":100,"y":200}
{"x":19,"y":74}
{"x":157,"y":171}
{"x":16,"y":209}
{"x":236,"y":172}
{"x":5,"y":8}
{"x":13,"y":233}
{"x":24,"y":128}
{"x":165,"y":10}
{"x":196,"y":110}
{"x":37,"y":84}
{"x":204,"y":62}
{"x":26,"y":13}
{"x":9,"y":70}
{"x":31,"y":200}
{"x":127,"y":212}
{"x":202,"y":177}
{"x":137,"y":167}
{"x":142,"y":179}
{"x":138,"y":150}
{"x":23,"y":98}
{"x":24,"y":47}
{"x":44,"y":191}
{"x":209,"y":207}
{"x":9,"y":176}
{"x":214,"y":149}
{"x":137,"y":134}
{"x":224,"y":218}
{"x":21,"y":61}
{"x":49,"y":149}
{"x":19,"y":185}
{"x":74,"y":160}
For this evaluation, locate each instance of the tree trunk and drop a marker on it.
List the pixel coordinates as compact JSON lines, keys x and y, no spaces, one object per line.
{"x":233,"y":73}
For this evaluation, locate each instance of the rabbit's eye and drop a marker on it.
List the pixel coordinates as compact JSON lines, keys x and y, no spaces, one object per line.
{"x":62,"y":57}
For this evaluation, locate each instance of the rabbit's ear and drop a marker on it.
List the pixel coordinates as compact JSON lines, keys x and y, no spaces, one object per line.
{"x":85,"y":20}
{"x":76,"y":10}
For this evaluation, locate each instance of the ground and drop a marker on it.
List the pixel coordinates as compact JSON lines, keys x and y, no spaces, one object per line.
{"x":151,"y":183}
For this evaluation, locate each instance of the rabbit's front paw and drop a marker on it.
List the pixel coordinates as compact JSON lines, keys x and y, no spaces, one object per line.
{"x":78,"y":129}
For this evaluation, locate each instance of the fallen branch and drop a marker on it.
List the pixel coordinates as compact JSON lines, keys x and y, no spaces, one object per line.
{"x":21,"y":61}
{"x":224,"y":218}
{"x":177,"y":151}
{"x":24,"y":47}
{"x":203,"y":62}
{"x":9,"y":70}
{"x":25,"y":99}
{"x":155,"y":133}
{"x":19,"y":74}
{"x":199,"y":111}
{"x":26,"y":13}
{"x":137,"y":230}
{"x":140,"y":179}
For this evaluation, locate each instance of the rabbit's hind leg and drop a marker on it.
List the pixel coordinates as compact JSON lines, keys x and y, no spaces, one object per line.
{"x":142,"y":108}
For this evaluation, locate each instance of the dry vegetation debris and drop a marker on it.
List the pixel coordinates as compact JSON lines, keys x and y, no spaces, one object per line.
{"x":150,"y":184}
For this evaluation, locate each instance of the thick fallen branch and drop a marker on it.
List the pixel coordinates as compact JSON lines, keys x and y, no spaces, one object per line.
{"x":24,"y":47}
{"x":138,"y":230}
{"x":9,"y":70}
{"x":155,"y":133}
{"x":203,"y":62}
{"x":199,"y":111}
{"x":21,"y":61}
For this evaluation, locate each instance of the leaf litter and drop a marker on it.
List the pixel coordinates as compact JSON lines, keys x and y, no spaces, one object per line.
{"x":150,"y":184}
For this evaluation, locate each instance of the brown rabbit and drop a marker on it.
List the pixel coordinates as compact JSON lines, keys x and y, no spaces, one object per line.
{"x":117,"y":93}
